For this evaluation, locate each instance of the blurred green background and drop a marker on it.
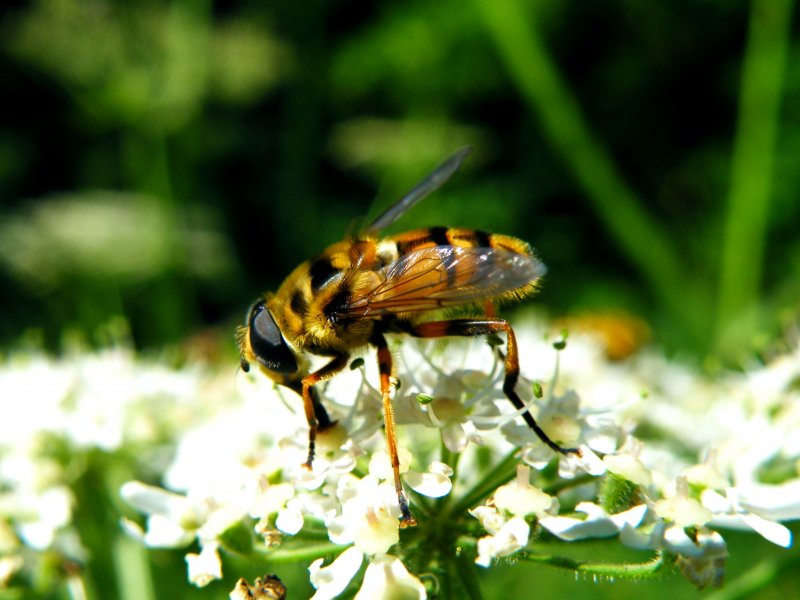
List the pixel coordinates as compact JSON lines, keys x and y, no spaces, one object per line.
{"x":168,"y":161}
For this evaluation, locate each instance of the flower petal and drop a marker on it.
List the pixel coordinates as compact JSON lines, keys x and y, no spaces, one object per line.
{"x":330,"y":581}
{"x":387,"y":578}
{"x":204,"y":567}
{"x":434,"y":484}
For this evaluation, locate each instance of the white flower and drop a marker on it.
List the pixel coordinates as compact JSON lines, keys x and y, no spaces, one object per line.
{"x":331,"y":581}
{"x":206,"y":566}
{"x":387,"y":578}
{"x":462,"y":394}
{"x":598,"y":523}
{"x":369,"y":515}
{"x":434,"y":484}
{"x":511,"y":536}
{"x":521,"y":499}
{"x":682,"y":509}
{"x":628,"y":466}
{"x":42,"y":516}
{"x":173,"y":519}
{"x":491,"y":519}
{"x":733,"y":510}
{"x":517,"y":498}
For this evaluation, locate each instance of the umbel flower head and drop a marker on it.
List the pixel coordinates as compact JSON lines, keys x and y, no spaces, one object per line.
{"x":478,"y":475}
{"x":482,"y":486}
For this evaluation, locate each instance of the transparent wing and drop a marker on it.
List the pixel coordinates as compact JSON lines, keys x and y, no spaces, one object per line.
{"x":441,"y":276}
{"x":428,"y":185}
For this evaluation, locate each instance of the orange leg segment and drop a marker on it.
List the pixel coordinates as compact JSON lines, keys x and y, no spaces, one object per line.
{"x":476,"y":327}
{"x":385,"y":370}
{"x":326,"y":372}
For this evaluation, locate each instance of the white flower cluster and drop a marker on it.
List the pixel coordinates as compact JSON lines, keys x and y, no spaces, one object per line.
{"x":239,"y":444}
{"x":54,"y":412}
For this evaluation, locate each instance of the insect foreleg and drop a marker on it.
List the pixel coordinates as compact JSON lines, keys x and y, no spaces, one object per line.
{"x":475,"y":327}
{"x":385,"y":370}
{"x":310,"y":402}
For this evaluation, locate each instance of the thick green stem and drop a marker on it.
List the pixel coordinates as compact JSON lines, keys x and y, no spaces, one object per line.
{"x":304,"y":553}
{"x":745,"y":232}
{"x":132,"y":570}
{"x":648,"y":569}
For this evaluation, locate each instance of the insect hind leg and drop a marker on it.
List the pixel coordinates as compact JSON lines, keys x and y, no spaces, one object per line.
{"x":385,"y":370}
{"x":478,"y":327}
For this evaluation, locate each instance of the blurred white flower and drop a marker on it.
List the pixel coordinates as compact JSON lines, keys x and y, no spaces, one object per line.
{"x":387,"y":578}
{"x":330,"y":581}
{"x":70,"y":235}
{"x":733,"y":510}
{"x":206,"y":566}
{"x":682,"y":509}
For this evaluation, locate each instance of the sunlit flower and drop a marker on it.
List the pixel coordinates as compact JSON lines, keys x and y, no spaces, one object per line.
{"x":387,"y":578}
{"x":682,"y":509}
{"x":597,"y":522}
{"x":369,"y":515}
{"x":510,"y":537}
{"x":229,"y":452}
{"x":734,"y":510}
{"x":206,"y":566}
{"x":330,"y":581}
{"x":521,"y":499}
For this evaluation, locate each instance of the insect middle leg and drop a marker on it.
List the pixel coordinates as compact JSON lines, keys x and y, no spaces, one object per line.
{"x":311,"y":402}
{"x":385,"y":370}
{"x":476,"y":327}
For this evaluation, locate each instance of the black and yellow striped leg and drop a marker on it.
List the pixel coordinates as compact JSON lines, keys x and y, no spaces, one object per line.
{"x":311,"y":402}
{"x":385,"y":370}
{"x":476,"y":327}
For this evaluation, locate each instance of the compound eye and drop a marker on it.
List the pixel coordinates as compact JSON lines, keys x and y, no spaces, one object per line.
{"x":267,"y":341}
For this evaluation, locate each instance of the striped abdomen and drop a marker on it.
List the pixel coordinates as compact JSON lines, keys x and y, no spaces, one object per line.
{"x":463,"y":238}
{"x":325,"y":301}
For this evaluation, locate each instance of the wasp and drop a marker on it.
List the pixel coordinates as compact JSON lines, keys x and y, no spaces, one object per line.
{"x":359,"y":290}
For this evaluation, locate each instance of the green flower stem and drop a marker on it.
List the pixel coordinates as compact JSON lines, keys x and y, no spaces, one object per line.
{"x":132,"y":570}
{"x":301,"y":554}
{"x":500,"y":474}
{"x":645,"y":570}
{"x":451,"y":459}
{"x":514,"y":32}
{"x":763,"y":74}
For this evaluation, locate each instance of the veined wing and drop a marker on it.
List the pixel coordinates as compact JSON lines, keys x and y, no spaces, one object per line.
{"x":430,"y":184}
{"x":441,"y":276}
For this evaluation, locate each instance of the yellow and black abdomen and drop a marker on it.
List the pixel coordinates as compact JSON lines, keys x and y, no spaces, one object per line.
{"x":463,"y":238}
